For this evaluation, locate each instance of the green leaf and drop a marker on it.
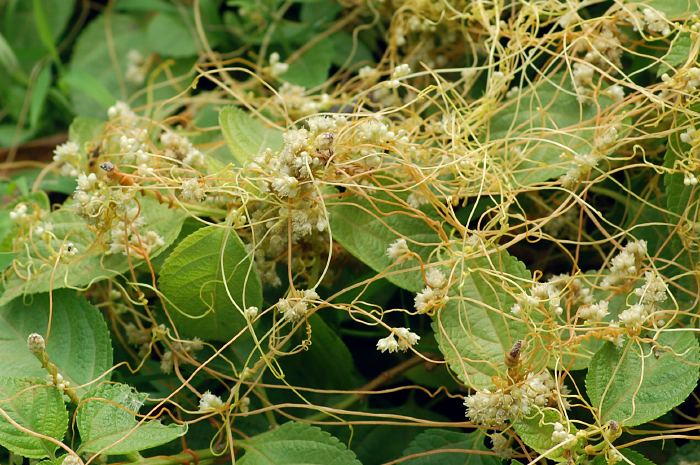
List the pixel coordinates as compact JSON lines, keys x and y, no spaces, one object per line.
{"x":433,"y":440}
{"x":639,"y":382}
{"x":168,"y":35}
{"x":366,"y":229}
{"x":537,"y":430}
{"x":32,"y":31}
{"x":246,"y":136}
{"x":107,"y":423}
{"x":81,"y":82}
{"x":85,"y":132}
{"x":43,"y":29}
{"x":33,"y":405}
{"x":6,"y":259}
{"x":327,"y":363}
{"x":548,"y":116}
{"x":91,"y":264}
{"x":209,"y":279}
{"x":296,"y":444}
{"x":8,"y":60}
{"x":79,"y":342}
{"x":311,"y":69}
{"x":677,"y":54}
{"x":688,"y":454}
{"x":675,"y":8}
{"x":100,"y":59}
{"x":475,"y":328}
{"x":633,"y":456}
{"x":39,"y":93}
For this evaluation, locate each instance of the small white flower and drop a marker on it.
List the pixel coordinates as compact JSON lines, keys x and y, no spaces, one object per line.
{"x":435,"y":278}
{"x":251,"y":313}
{"x":277,"y":67}
{"x":388,"y":344}
{"x":398,"y":250}
{"x":210,"y":402}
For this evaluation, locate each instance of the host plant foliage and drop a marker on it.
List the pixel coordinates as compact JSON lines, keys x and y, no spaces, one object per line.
{"x":373,"y":232}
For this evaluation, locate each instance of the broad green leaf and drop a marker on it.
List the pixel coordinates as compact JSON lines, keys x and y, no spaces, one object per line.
{"x":549,"y":125}
{"x":366,"y":229}
{"x":639,"y":382}
{"x":6,"y":259}
{"x":327,"y":363}
{"x":536,"y":431}
{"x":85,"y":132}
{"x":463,"y":448}
{"x":8,"y":60}
{"x":475,"y":329}
{"x":27,"y":36}
{"x":43,"y":29}
{"x":208,"y":280}
{"x":39,"y":92}
{"x":633,"y":456}
{"x":674,"y":8}
{"x":677,"y":54}
{"x":376,"y":444}
{"x":296,"y":444}
{"x":80,"y":82}
{"x":101,"y":52}
{"x":107,"y":423}
{"x":311,"y":69}
{"x":688,"y":454}
{"x":33,"y":405}
{"x":79,"y":342}
{"x":246,"y":136}
{"x":91,"y":264}
{"x":168,"y":35}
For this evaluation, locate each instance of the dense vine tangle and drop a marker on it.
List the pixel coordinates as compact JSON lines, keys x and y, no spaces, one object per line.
{"x":488,"y":130}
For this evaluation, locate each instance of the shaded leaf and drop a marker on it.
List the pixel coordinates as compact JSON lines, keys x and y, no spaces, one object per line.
{"x":106,"y":420}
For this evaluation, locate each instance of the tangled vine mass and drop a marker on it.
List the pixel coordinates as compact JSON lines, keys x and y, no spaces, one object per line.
{"x":364,"y":231}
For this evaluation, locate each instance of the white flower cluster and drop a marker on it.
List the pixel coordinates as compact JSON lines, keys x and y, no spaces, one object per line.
{"x":686,"y":80}
{"x":398,"y":251}
{"x":399,"y":72}
{"x":583,"y":164}
{"x":494,"y":409}
{"x":625,"y":264}
{"x":68,"y":156}
{"x":691,"y":163}
{"x":561,"y":436}
{"x":655,"y":21}
{"x":180,"y":148}
{"x":594,"y":312}
{"x":296,"y":305}
{"x":210,"y":402}
{"x":60,"y":383}
{"x":298,"y":103}
{"x":653,"y":292}
{"x":434,"y":295}
{"x":180,"y":347}
{"x":19,"y":214}
{"x":135,"y":67}
{"x":550,"y":294}
{"x":125,"y":236}
{"x":191,"y":190}
{"x":406,"y":339}
{"x":277,"y":67}
{"x":123,"y":114}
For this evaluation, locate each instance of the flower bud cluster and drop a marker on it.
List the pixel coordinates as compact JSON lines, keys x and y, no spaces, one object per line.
{"x":434,"y":295}
{"x":626,"y":264}
{"x":650,"y":294}
{"x":296,"y":306}
{"x":400,"y":339}
{"x":496,"y":408}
